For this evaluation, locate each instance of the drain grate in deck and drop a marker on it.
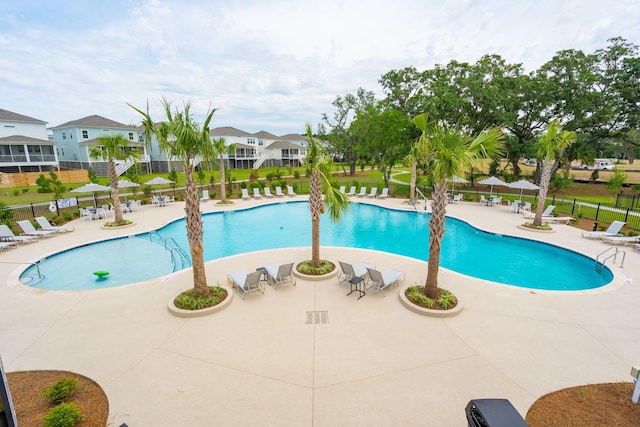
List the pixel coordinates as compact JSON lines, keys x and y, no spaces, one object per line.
{"x":317,"y":317}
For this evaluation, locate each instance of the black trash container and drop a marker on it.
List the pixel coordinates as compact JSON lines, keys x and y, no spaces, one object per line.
{"x":595,"y":226}
{"x":493,"y":413}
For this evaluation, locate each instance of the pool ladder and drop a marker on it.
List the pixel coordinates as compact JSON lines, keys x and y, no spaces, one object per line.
{"x":179,"y":257}
{"x":599,"y":266}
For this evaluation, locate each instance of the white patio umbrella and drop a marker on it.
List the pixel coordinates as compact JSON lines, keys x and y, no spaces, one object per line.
{"x":91,"y":188}
{"x":123,"y":183}
{"x":523,"y":184}
{"x":491,"y":181}
{"x":455,"y":179}
{"x":158,"y":180}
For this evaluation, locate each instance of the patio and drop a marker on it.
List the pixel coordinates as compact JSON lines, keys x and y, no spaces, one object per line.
{"x":373,"y":363}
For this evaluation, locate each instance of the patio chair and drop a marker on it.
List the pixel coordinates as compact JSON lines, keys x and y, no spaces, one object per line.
{"x":545,"y":214}
{"x":350,"y":271}
{"x":457,"y":198}
{"x":363,"y":192}
{"x":378,"y":281}
{"x":384,"y":194}
{"x":246,"y":283}
{"x":352,"y":191}
{"x":372,"y":194}
{"x":612,"y":231}
{"x":623,"y":241}
{"x":85,"y":214}
{"x":558,"y":219}
{"x":245,"y":194}
{"x":267,"y":192}
{"x":256,"y":193}
{"x":29,"y":230}
{"x":343,"y":188}
{"x":4,"y":245}
{"x":484,"y":200}
{"x":290,"y":191}
{"x":6,"y":235}
{"x":205,"y":196}
{"x":280,"y":274}
{"x":279,"y":192}
{"x":47,"y":226}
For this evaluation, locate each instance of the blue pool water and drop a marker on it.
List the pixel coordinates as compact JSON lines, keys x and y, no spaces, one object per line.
{"x":467,"y":250}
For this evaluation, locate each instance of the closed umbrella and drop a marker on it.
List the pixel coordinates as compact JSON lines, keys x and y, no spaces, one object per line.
{"x":523,"y":184}
{"x":92,"y":188}
{"x":491,"y":181}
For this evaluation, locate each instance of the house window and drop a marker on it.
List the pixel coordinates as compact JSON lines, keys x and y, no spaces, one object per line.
{"x":251,"y":141}
{"x":64,"y":135}
{"x":260,"y":142}
{"x":85,"y":134}
{"x":130,"y":136}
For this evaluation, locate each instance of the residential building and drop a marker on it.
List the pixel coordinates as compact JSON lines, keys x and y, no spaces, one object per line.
{"x":74,"y":138}
{"x":25,"y":145}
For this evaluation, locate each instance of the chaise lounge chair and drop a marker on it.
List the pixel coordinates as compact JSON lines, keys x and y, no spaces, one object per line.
{"x":4,"y":245}
{"x":6,"y":235}
{"x":623,"y":241}
{"x":384,"y":194}
{"x":204,"y":198}
{"x":47,"y":226}
{"x":245,"y":194}
{"x":545,"y":214}
{"x":290,"y":191}
{"x":279,"y":192}
{"x":246,"y":283}
{"x":267,"y":192}
{"x":363,"y":192}
{"x":612,"y":231}
{"x":256,"y":193}
{"x":29,"y":230}
{"x":372,"y":194}
{"x":352,"y":191}
{"x":280,"y":274}
{"x":378,"y":281}
{"x":343,"y":188}
{"x":350,"y":271}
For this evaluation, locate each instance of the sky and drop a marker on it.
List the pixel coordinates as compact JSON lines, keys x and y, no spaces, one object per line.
{"x":271,"y":65}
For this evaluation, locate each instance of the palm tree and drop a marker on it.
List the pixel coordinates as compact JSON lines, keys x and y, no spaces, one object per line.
{"x":112,"y":147}
{"x":448,"y":152}
{"x":220,"y":149}
{"x":412,"y":159}
{"x":337,"y":203}
{"x":181,"y":136}
{"x":550,"y":147}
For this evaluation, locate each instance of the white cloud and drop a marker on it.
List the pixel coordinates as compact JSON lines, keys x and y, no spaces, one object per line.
{"x":268,"y":65}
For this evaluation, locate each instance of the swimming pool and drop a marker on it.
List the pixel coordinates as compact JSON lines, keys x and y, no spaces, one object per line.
{"x":465,"y":249}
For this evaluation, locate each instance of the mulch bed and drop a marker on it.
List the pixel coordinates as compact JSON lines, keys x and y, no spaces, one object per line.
{"x":31,"y":405}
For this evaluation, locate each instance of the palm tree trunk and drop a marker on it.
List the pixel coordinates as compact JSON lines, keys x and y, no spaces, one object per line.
{"x":545,"y":177}
{"x":436,"y":232}
{"x":194,"y":231}
{"x":223,"y":181}
{"x":315,"y":205}
{"x":113,"y":182}
{"x":414,"y":176}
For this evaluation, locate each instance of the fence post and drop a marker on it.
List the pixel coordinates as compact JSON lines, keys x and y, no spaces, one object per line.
{"x":597,"y":211}
{"x":33,"y":211}
{"x":573,"y":207}
{"x":626,"y":216}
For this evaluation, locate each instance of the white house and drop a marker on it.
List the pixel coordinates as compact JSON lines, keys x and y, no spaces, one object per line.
{"x":24,"y":144}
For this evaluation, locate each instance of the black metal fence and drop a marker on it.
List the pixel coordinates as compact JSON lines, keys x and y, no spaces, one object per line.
{"x":601,"y":213}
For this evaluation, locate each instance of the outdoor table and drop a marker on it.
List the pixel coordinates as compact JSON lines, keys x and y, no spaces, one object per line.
{"x":357,"y":285}
{"x":263,"y":274}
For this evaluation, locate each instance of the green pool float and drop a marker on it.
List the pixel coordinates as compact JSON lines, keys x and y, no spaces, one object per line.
{"x":102,"y":275}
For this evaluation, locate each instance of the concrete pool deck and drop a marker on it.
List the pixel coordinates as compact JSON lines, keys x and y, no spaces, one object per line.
{"x":375,"y":362}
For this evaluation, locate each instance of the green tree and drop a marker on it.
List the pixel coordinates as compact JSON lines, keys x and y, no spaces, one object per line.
{"x":550,"y":147}
{"x":182,"y":136}
{"x":448,"y":152}
{"x":614,"y":184}
{"x":43,"y":183}
{"x":334,"y":200}
{"x":57,"y":185}
{"x":173,"y":177}
{"x":112,"y":148}
{"x":91,"y":173}
{"x":220,"y":148}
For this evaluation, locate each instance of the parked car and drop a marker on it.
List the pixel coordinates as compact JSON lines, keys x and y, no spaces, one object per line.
{"x":601,"y":166}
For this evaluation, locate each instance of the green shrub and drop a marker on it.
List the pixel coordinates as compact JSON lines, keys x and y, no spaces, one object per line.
{"x":16,"y":192}
{"x":296,"y":174}
{"x":447,"y":299}
{"x":188,"y":300}
{"x":61,"y":390}
{"x":63,"y":415}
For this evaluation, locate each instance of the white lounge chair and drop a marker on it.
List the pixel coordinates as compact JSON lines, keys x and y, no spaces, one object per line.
{"x":545,"y":214}
{"x":279,"y":192}
{"x":267,"y":192}
{"x":6,"y":235}
{"x":4,"y":245}
{"x":384,"y":194}
{"x":246,"y":283}
{"x":624,"y":241}
{"x":47,"y":226}
{"x":378,"y":281}
{"x":363,"y":192}
{"x":352,"y":191}
{"x":372,"y":194}
{"x":558,"y":219}
{"x":343,"y":188}
{"x":256,"y":193}
{"x":350,"y":271}
{"x":484,"y":200}
{"x":205,"y":196}
{"x":245,"y":194}
{"x":280,"y":274}
{"x":612,"y":231}
{"x":290,"y":191}
{"x":29,"y":230}
{"x":457,"y":198}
